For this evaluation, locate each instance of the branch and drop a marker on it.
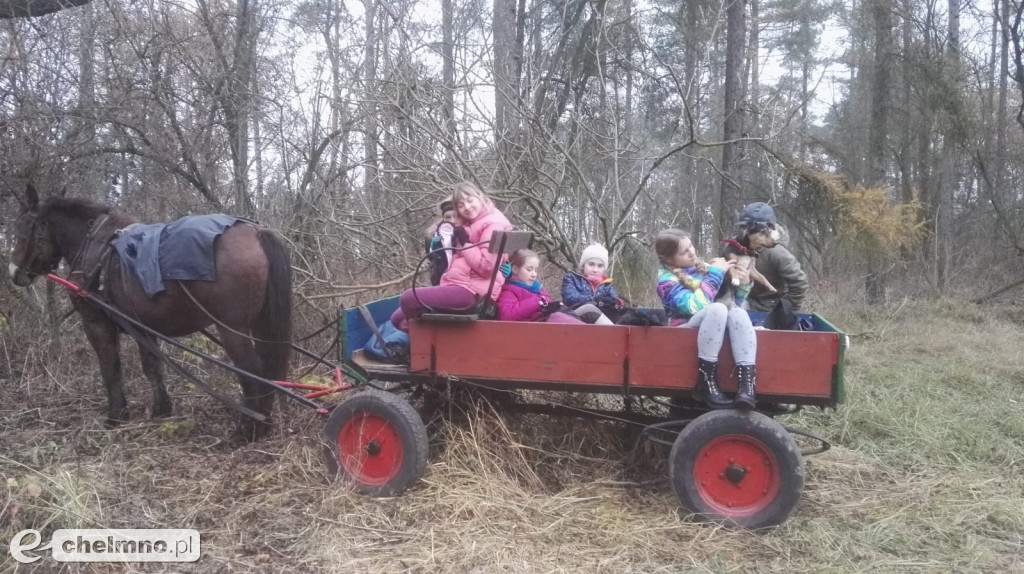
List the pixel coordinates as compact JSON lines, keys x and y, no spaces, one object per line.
{"x":32,"y":8}
{"x":354,"y":289}
{"x":998,"y":292}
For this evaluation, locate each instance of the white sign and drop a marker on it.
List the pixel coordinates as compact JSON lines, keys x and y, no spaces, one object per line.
{"x":110,"y":545}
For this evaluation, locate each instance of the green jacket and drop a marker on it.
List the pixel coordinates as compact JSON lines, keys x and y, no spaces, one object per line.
{"x":783,"y":271}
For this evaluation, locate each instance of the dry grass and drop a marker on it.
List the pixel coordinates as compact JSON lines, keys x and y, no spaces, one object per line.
{"x":926,"y":475}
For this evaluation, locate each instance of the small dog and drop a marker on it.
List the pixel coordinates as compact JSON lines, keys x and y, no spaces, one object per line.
{"x":745,"y":255}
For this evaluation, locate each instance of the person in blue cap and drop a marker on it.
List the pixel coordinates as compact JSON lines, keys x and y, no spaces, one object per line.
{"x":776,"y":263}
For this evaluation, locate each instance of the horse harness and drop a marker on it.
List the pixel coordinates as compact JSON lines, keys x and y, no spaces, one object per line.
{"x":94,"y":279}
{"x":91,"y":278}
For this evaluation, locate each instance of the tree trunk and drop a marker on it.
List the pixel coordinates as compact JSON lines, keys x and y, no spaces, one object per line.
{"x":752,"y":97}
{"x":239,"y":104}
{"x":805,"y":80}
{"x":907,"y":163}
{"x":448,"y":76}
{"x":950,"y":160}
{"x":85,"y":181}
{"x":371,"y":139}
{"x":686,"y":192}
{"x":1004,"y":74}
{"x":628,"y":107}
{"x":257,"y":141}
{"x":506,"y":86}
{"x":875,"y":282}
{"x":730,"y":196}
{"x":332,"y":38}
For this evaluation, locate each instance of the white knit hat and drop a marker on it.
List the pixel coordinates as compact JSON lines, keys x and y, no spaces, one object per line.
{"x":594,"y":251}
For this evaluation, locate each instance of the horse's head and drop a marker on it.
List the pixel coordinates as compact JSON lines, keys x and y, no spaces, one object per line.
{"x":35,"y":251}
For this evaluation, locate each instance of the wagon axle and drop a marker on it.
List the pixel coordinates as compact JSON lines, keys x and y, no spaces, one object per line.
{"x":734,"y":474}
{"x":373,"y":447}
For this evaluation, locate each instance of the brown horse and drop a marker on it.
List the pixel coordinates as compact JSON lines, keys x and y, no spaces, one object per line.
{"x":250,"y":298}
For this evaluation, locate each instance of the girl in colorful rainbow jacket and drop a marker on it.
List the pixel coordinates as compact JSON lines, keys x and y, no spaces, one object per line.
{"x":687,"y":288}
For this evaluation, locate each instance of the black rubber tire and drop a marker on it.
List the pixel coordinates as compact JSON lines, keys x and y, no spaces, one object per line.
{"x":747,"y":435}
{"x":685,"y":408}
{"x":404,"y":430}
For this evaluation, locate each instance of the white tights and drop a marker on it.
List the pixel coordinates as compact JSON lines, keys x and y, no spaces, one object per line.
{"x":713,"y":321}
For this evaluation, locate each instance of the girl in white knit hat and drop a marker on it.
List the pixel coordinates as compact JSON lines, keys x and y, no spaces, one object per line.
{"x":588,"y":289}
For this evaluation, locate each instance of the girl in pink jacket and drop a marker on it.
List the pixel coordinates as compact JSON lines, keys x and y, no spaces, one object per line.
{"x":465,"y":283}
{"x":524,"y":299}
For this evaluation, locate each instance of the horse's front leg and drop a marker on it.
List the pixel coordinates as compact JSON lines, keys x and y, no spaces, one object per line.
{"x":103,"y":336}
{"x":153,"y":368}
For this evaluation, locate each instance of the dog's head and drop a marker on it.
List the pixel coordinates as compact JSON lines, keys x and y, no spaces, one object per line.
{"x":757,"y":235}
{"x":761,"y":239}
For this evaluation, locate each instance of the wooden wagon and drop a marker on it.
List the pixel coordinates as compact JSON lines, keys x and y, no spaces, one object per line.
{"x":731,"y":466}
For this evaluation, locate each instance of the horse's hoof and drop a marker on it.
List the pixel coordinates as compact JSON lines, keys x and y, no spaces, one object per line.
{"x":251,"y":431}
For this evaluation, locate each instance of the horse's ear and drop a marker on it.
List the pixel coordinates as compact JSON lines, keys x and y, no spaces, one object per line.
{"x":31,"y":197}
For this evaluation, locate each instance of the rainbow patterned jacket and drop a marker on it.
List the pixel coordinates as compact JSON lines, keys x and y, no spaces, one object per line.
{"x":684,"y":292}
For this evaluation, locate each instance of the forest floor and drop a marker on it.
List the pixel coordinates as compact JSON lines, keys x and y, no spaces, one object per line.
{"x":926,"y":473}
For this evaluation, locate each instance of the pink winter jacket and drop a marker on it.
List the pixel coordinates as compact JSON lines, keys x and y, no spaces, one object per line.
{"x":471,"y":268}
{"x":518,"y":304}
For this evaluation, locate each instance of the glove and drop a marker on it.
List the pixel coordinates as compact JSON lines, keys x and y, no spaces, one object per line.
{"x":549,"y":307}
{"x":461,"y":236}
{"x":506,"y":270}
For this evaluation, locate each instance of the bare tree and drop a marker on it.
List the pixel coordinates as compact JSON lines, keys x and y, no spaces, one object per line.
{"x":732,"y":130}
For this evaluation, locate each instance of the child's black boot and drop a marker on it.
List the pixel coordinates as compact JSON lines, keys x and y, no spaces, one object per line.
{"x":707,"y":386}
{"x":746,"y":376}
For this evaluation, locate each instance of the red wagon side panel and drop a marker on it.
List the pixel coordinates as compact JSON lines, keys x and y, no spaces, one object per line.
{"x":790,"y":364}
{"x":581,"y":354}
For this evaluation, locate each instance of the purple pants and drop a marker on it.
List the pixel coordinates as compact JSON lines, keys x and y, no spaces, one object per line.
{"x":442,"y":299}
{"x":563,"y":319}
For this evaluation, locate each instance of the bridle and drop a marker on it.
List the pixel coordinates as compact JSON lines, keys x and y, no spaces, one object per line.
{"x":34,"y":234}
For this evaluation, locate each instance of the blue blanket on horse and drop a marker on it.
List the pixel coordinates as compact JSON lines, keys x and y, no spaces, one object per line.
{"x":181,"y":250}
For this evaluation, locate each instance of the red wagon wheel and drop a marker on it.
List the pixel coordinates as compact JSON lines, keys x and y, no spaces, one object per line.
{"x":376,"y":443}
{"x":737,"y":468}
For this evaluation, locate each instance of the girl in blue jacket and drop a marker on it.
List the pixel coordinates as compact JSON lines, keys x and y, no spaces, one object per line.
{"x":590,"y":284}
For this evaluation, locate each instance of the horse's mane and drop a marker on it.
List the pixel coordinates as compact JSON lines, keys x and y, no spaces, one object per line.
{"x":73,"y":207}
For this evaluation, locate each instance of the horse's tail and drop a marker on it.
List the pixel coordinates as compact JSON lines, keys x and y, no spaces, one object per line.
{"x":274,"y":322}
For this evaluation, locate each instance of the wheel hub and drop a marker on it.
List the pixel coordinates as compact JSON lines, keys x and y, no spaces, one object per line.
{"x":373,"y":447}
{"x":735,"y":474}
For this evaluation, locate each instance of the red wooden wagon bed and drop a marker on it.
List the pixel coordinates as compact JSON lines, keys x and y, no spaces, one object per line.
{"x":793,"y":367}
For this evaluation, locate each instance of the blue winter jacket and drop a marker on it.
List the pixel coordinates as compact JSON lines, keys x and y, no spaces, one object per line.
{"x":576,"y":290}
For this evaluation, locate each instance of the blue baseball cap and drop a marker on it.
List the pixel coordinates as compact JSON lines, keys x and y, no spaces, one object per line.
{"x":757,"y":214}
